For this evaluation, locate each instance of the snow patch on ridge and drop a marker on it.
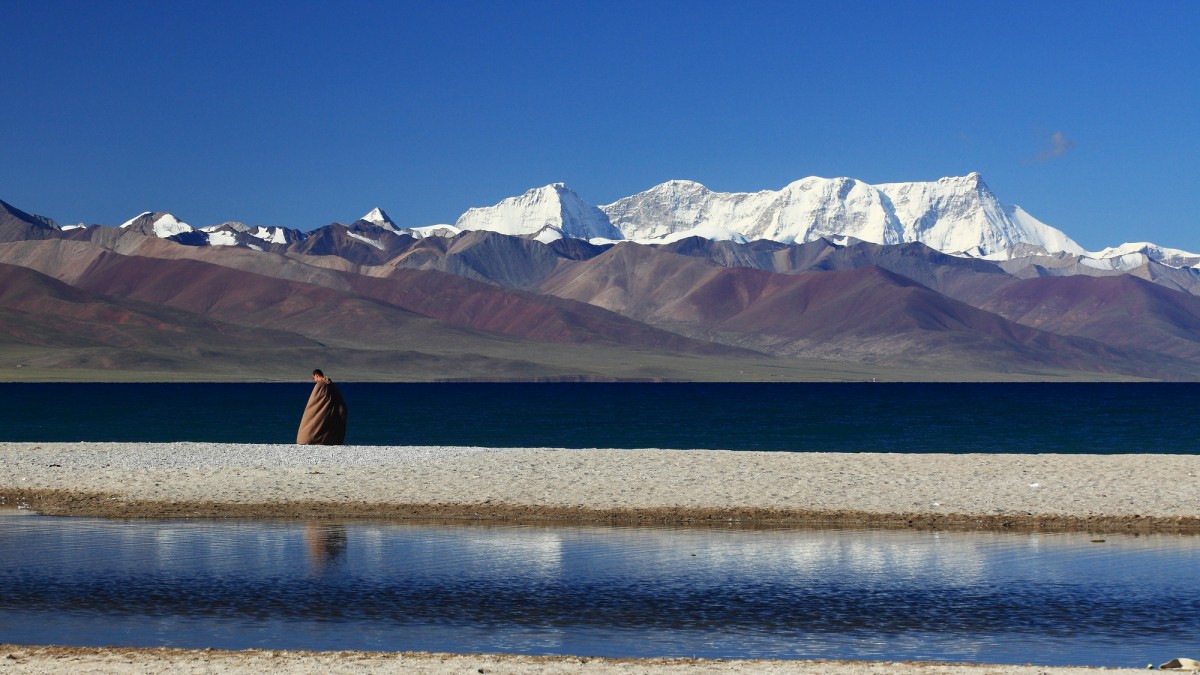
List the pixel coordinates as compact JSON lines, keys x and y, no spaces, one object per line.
{"x":366,"y":240}
{"x":272,"y":235}
{"x":230,"y":225}
{"x":442,"y":230}
{"x":168,"y":225}
{"x":707,"y":231}
{"x":222,"y":238}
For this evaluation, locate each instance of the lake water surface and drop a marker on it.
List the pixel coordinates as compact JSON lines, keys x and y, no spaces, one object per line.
{"x":1053,"y":599}
{"x":1019,"y":418}
{"x":729,"y":593}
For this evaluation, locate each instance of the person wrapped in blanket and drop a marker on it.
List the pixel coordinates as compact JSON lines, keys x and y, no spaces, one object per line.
{"x":324,"y":420}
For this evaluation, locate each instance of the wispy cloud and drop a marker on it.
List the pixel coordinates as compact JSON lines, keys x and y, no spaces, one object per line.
{"x":1057,"y":145}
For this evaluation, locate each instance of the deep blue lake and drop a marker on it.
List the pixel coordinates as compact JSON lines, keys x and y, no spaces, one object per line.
{"x":1019,"y":418}
{"x":1049,"y":599}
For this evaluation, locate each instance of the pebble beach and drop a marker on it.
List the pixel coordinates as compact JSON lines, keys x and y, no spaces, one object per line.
{"x":972,"y":491}
{"x":1091,"y":493}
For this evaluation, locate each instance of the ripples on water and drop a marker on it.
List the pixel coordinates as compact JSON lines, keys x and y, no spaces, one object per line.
{"x":989,"y":598}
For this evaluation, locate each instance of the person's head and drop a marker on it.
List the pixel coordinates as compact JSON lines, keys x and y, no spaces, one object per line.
{"x":318,"y":375}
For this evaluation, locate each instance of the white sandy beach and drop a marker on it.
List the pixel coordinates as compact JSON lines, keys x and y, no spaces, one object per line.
{"x":1093,"y":493}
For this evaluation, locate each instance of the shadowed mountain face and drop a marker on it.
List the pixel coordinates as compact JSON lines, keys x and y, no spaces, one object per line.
{"x":496,"y":258}
{"x":363,"y":244}
{"x":492,"y":306}
{"x":16,"y":225}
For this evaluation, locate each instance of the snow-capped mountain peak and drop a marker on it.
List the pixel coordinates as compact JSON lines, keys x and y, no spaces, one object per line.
{"x":1171,"y":257}
{"x":157,"y":224}
{"x":957,"y":214}
{"x":440,"y":230}
{"x":669,"y":210}
{"x":554,"y":205}
{"x":377,"y":217}
{"x":960,"y":214}
{"x":234,"y":233}
{"x":802,"y":211}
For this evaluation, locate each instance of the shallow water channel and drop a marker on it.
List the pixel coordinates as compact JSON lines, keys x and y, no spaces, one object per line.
{"x":1051,"y":599}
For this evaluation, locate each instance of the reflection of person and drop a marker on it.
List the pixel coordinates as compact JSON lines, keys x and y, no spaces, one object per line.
{"x":324,"y":420}
{"x":326,"y":543}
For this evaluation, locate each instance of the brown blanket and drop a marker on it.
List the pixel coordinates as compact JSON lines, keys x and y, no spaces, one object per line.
{"x":324,"y":421}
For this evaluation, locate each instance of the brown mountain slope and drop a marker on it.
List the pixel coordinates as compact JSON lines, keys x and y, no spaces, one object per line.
{"x":55,"y":313}
{"x":499,"y":259}
{"x":1120,"y":310}
{"x":483,"y":256}
{"x":293,"y":266}
{"x":373,"y":311}
{"x":323,"y":314}
{"x":462,"y":301}
{"x":964,"y":279}
{"x":462,"y":296}
{"x":64,"y":327}
{"x":16,"y":225}
{"x":56,"y":327}
{"x":862,"y":314}
{"x":172,"y":323}
{"x":1139,"y":310}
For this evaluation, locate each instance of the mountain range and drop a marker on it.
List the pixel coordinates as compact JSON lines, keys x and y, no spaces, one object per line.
{"x":823,"y":279}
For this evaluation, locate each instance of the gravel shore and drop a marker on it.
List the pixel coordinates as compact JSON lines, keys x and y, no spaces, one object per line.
{"x":977,"y":491}
{"x":123,"y":661}
{"x":1093,"y":493}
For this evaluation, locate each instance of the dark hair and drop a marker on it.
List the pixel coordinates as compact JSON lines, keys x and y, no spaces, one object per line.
{"x":318,"y":372}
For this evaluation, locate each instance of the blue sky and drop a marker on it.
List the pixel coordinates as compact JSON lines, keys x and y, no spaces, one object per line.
{"x":1087,"y":114}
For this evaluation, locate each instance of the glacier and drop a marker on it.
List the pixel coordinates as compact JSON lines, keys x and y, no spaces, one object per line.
{"x":958,"y":215}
